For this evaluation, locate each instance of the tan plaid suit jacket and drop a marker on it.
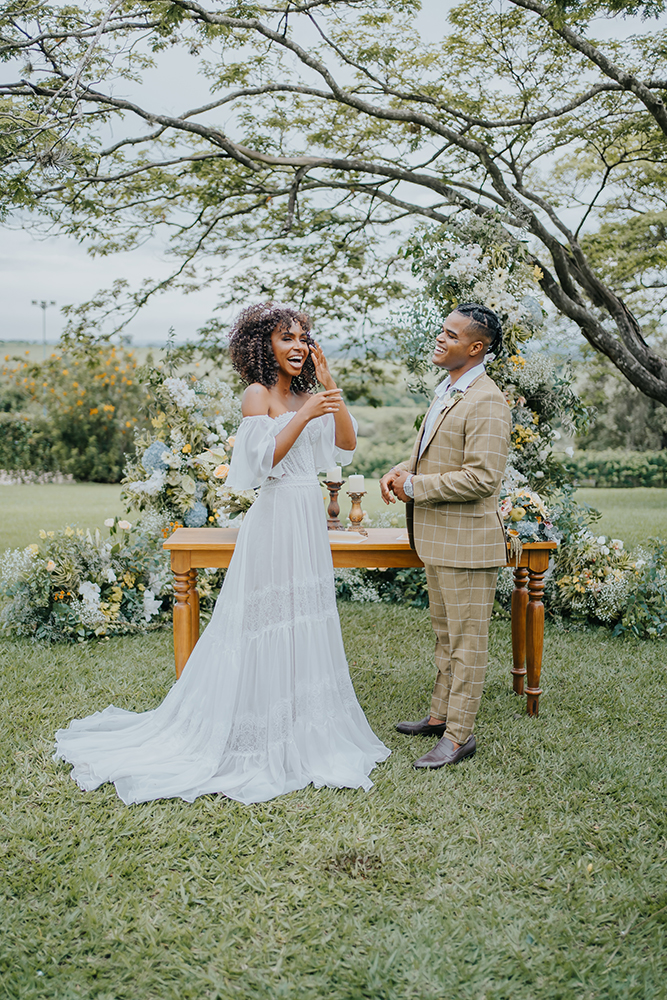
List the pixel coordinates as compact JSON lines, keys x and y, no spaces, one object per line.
{"x":454,"y":520}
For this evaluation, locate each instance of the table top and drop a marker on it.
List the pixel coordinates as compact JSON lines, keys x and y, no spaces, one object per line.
{"x":201,"y":539}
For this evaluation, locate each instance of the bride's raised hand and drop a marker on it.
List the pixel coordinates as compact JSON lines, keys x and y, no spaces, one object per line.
{"x":320,"y":403}
{"x":322,"y":372}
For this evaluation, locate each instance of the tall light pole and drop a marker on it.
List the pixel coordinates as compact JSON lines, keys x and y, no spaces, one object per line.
{"x":43,"y":305}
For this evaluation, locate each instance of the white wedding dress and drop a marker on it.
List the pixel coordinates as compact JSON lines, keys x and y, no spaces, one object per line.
{"x":265,"y":704}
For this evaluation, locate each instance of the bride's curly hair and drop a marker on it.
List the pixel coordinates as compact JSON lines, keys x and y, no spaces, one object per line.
{"x":250,"y":348}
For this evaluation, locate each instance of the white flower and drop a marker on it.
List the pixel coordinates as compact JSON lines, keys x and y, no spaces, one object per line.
{"x":539,"y":475}
{"x":569,"y":451}
{"x":50,"y":566}
{"x":181,"y":394}
{"x":124,"y":525}
{"x":151,"y":605}
{"x":151,"y":486}
{"x":604,"y":550}
{"x":601,"y":539}
{"x":109,"y":523}
{"x":111,"y":576}
{"x":90,"y":593}
{"x":617,"y":543}
{"x":171,"y":459}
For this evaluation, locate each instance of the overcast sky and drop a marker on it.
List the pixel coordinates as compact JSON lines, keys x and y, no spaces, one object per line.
{"x":58,"y":268}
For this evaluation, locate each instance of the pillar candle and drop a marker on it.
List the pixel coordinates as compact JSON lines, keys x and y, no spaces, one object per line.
{"x":355,"y":484}
{"x":335,"y":475}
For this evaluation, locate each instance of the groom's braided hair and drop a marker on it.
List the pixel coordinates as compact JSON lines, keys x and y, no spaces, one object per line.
{"x":250,"y":345}
{"x":486,"y":324}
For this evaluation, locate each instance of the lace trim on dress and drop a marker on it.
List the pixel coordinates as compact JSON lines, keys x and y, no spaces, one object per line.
{"x":284,"y":607}
{"x":254,"y":736}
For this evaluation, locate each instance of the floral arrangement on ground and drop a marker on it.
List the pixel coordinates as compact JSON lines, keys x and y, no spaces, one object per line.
{"x":75,"y":585}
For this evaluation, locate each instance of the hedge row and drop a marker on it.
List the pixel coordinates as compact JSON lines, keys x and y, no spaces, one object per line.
{"x":616,"y":468}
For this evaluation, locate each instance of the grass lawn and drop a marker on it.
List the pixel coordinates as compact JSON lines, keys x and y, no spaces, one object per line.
{"x":26,"y":509}
{"x":535,"y":870}
{"x":631,"y":514}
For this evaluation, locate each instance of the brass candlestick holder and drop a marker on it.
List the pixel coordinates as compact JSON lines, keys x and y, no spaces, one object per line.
{"x":333,"y":510}
{"x":357,"y":514}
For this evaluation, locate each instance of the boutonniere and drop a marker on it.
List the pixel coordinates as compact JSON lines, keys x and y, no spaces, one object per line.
{"x":454,"y":398}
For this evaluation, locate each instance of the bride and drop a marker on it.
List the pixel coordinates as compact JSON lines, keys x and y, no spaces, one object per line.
{"x":265,"y":704}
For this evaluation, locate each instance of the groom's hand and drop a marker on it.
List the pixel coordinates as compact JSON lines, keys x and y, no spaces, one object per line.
{"x":386,"y":485}
{"x":397,"y":485}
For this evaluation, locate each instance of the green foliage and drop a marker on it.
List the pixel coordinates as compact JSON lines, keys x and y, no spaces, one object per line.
{"x":81,"y":408}
{"x":316,"y":184}
{"x":25,"y":443}
{"x":645,"y":614}
{"x":393,"y":586}
{"x":616,"y":468}
{"x":624,"y":417}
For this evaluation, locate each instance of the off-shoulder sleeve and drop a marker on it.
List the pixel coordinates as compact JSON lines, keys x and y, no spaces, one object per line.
{"x":327,"y":455}
{"x":252,"y":458}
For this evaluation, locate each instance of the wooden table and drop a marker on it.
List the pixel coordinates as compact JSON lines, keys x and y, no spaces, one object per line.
{"x":195,"y":548}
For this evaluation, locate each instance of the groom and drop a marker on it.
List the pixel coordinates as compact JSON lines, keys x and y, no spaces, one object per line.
{"x":451,"y":485}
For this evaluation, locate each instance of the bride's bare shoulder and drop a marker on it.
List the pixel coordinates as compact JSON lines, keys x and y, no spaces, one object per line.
{"x":255,"y":400}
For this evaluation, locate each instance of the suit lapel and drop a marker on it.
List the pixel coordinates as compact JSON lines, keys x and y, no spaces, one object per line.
{"x":439,"y":419}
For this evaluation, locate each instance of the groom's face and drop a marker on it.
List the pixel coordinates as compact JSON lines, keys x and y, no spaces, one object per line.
{"x":455,"y":348}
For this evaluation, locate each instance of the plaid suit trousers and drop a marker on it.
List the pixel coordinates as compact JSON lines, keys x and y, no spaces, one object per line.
{"x":460,"y":601}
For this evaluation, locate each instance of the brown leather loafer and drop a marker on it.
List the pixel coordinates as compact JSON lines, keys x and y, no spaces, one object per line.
{"x":444,"y":753}
{"x":421,"y":728}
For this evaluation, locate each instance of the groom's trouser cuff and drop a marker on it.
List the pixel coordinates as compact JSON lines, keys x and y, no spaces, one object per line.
{"x":461,"y":602}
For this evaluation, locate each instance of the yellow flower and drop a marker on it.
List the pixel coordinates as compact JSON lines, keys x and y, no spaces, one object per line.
{"x":69,"y":531}
{"x":128,"y":579}
{"x":538,"y":272}
{"x":42,"y":533}
{"x":221,"y":471}
{"x":93,"y":412}
{"x":517,"y":513}
{"x":34,"y":548}
{"x":231,"y":440}
{"x":187,"y":448}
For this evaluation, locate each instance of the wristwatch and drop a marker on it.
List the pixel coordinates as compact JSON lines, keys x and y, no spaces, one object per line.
{"x":408,"y":488}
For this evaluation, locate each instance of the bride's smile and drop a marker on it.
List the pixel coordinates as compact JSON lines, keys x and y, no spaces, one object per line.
{"x":290,"y":348}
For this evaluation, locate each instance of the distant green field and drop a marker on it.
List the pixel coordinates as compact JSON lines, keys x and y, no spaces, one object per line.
{"x":632,"y":515}
{"x":26,"y":509}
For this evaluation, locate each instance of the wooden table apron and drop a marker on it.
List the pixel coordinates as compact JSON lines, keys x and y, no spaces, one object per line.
{"x":196,"y":548}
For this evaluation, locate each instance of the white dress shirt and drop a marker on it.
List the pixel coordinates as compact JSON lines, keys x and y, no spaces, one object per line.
{"x":442,"y":394}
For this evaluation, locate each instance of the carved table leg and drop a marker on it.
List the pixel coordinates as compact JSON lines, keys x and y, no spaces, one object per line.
{"x":534,"y":638}
{"x":519,"y":606}
{"x":193,"y":601}
{"x":182,"y":620}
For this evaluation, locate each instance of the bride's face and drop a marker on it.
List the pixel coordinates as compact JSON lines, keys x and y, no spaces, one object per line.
{"x":290,"y":348}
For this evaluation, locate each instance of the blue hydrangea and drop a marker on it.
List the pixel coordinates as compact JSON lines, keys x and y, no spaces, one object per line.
{"x":196,"y":517}
{"x":152,"y":457}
